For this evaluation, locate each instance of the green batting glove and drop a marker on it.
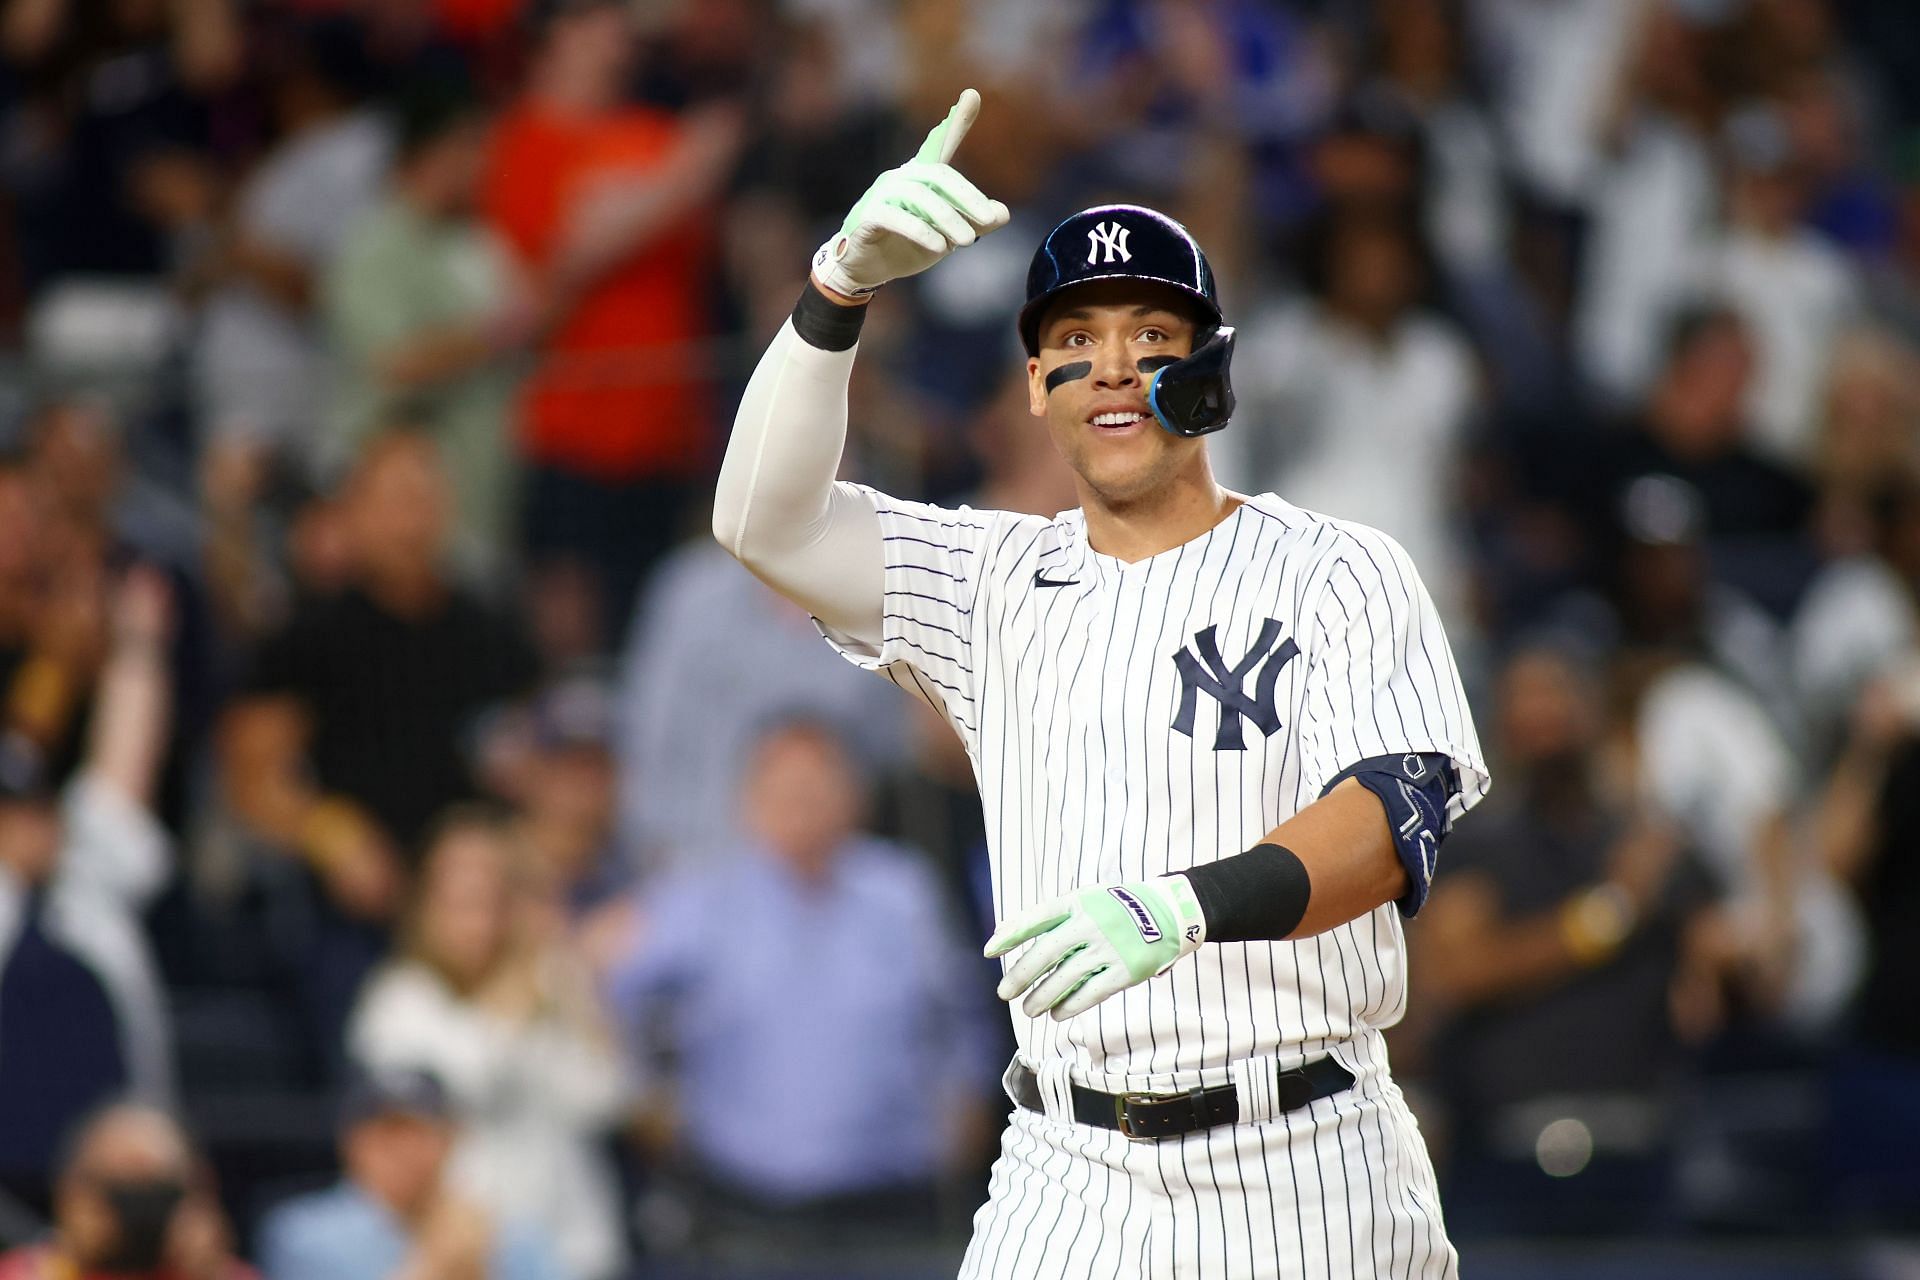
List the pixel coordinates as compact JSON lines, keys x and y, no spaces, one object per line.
{"x":912,"y":216}
{"x":1091,"y":943}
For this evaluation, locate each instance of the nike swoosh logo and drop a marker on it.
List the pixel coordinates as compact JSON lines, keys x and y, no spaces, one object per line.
{"x":1040,"y":579}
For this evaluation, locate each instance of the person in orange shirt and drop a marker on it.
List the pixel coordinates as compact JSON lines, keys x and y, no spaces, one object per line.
{"x":603,"y":202}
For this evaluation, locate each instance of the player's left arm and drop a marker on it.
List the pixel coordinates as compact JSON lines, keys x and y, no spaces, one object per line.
{"x":1336,"y":860}
{"x":1394,"y":742}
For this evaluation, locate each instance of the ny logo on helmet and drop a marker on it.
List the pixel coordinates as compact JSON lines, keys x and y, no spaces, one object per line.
{"x":1110,"y":236}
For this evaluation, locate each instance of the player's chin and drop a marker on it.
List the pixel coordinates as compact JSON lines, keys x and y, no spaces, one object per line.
{"x":1121,"y":475}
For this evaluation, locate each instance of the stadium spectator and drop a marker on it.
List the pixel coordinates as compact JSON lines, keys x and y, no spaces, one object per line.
{"x":1557,"y":72}
{"x":1869,"y":431}
{"x":605,"y":205}
{"x":359,"y":717}
{"x":393,"y":1215}
{"x":425,"y":313}
{"x":1793,"y":286}
{"x":382,"y":686}
{"x":486,"y":996}
{"x":565,"y":792}
{"x":712,"y":654}
{"x":132,"y":1199}
{"x":105,"y":101}
{"x":50,"y":625}
{"x":815,"y":911}
{"x":1653,"y":196}
{"x":1666,"y":600}
{"x":1707,"y":755}
{"x":1552,"y":946}
{"x":96,"y":514}
{"x":96,"y":501}
{"x":1694,"y":429}
{"x":1355,"y":373}
{"x":1860,"y":617}
{"x":82,"y":1015}
{"x":1422,"y":66}
{"x":258,"y":362}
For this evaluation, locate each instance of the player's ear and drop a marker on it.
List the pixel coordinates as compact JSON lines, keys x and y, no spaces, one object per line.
{"x":1036,"y":389}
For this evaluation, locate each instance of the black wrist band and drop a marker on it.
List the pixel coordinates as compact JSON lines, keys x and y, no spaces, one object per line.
{"x":824,"y":323}
{"x":1257,"y":896}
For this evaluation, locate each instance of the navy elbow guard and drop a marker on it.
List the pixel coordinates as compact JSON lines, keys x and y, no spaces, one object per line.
{"x":1416,"y":789}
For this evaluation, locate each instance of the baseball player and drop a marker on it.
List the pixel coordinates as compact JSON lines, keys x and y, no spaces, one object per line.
{"x":1219,"y":740}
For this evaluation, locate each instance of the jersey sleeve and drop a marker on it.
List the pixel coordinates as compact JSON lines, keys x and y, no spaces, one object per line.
{"x":1381,"y":679}
{"x":935,"y":557}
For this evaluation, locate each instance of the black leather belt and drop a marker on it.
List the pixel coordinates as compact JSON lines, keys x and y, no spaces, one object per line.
{"x":1148,"y":1116}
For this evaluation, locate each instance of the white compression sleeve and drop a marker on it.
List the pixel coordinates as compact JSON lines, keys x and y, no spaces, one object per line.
{"x":777,"y":509}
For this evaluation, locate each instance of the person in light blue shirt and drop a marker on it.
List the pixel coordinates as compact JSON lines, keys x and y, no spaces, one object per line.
{"x":827,"y":1031}
{"x":390,"y":1218}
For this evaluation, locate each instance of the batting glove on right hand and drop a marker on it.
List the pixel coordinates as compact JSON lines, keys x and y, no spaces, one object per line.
{"x":912,"y":216}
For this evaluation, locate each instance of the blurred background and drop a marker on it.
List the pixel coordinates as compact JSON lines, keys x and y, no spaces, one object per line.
{"x":420,"y":846}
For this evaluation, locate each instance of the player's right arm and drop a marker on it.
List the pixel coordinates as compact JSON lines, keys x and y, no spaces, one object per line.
{"x":777,"y":508}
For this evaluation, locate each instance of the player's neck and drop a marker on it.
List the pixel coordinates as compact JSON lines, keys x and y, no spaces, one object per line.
{"x":1173,"y":514}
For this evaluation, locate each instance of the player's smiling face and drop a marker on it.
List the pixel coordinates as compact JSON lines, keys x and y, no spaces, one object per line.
{"x":1087,"y":383}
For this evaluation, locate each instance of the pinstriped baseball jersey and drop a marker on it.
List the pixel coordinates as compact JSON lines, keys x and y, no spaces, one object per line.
{"x":1126,"y":720}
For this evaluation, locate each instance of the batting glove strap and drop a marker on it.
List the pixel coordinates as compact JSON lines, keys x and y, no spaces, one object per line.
{"x":912,"y":216}
{"x":1092,"y":943}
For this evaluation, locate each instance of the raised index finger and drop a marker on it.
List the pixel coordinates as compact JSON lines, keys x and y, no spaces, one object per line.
{"x":946,"y":137}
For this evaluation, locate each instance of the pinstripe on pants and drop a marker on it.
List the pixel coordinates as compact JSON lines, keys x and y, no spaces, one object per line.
{"x":1340,"y":1188}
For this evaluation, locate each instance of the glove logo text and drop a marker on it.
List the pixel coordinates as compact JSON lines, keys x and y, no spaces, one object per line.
{"x":1142,"y":918}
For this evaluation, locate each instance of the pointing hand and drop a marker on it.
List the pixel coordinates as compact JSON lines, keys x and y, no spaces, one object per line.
{"x":912,"y":216}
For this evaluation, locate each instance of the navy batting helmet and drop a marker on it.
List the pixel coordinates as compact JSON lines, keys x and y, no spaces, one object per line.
{"x":1116,"y":242}
{"x":1191,"y":396}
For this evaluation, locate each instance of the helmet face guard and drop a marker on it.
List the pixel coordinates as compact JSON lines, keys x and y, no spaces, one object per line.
{"x":1193,"y":395}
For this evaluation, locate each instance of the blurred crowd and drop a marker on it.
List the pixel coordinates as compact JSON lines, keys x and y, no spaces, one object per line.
{"x":424,"y":853}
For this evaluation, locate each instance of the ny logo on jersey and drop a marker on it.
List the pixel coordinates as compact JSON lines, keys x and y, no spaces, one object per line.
{"x":1209,"y":673}
{"x":1110,"y":236}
